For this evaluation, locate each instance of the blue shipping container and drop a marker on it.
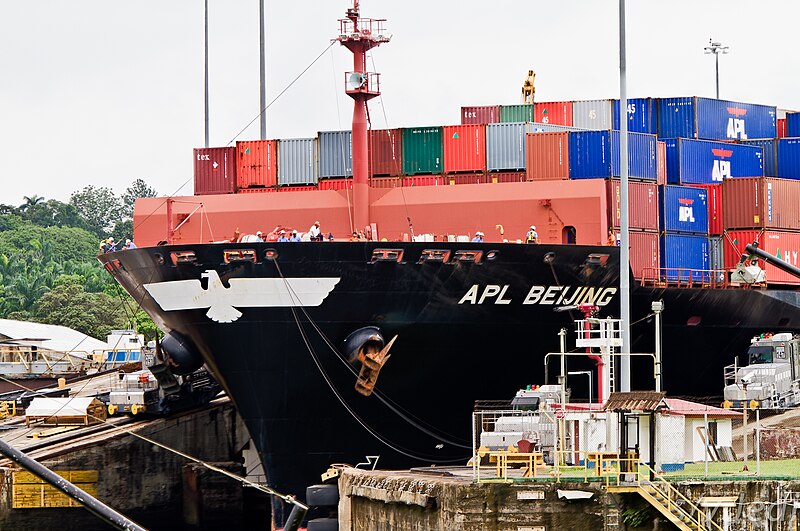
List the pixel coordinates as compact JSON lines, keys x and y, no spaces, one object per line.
{"x":789,"y":158}
{"x":683,"y":209}
{"x":641,"y":115}
{"x":706,"y":162}
{"x":712,"y":119}
{"x":770,"y":148}
{"x":684,"y":257}
{"x":595,"y":154}
{"x":793,"y":124}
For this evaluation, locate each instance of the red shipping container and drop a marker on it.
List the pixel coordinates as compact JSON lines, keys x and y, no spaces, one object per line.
{"x":644,"y":253}
{"x":214,"y":171}
{"x":761,"y":202}
{"x":547,"y":156}
{"x":714,"y":191}
{"x":781,"y":127}
{"x":258,"y":163}
{"x":554,"y":112}
{"x":642,"y":205}
{"x":785,"y":245}
{"x":464,"y":148}
{"x":423,"y":180}
{"x":336,"y":184}
{"x":298,"y":188}
{"x":488,"y":114}
{"x":507,"y":177}
{"x":467,"y":178}
{"x":386,"y":182}
{"x":257,"y":190}
{"x":386,"y":151}
{"x":661,"y":162}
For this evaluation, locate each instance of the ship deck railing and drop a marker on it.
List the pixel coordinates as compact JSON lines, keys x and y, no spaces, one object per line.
{"x":682,"y":277}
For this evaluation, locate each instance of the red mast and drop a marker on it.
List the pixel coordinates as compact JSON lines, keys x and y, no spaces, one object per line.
{"x":359,"y":35}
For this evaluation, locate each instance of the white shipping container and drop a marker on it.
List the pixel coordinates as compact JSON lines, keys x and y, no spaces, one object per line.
{"x":505,"y":146}
{"x":593,"y":114}
{"x":335,"y":154}
{"x":298,"y":161}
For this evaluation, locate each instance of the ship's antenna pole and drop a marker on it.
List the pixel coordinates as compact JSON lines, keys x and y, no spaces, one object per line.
{"x":359,"y":35}
{"x":624,"y":249}
{"x":263,"y":84}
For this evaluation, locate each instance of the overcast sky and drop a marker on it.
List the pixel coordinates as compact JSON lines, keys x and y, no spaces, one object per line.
{"x":103,"y":92}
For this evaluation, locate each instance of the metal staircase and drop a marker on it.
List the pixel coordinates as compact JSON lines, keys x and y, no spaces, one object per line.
{"x":668,"y":500}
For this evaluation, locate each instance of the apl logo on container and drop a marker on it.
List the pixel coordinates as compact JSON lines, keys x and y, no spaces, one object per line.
{"x":685,"y":212}
{"x":736,"y":123}
{"x":722,"y":168}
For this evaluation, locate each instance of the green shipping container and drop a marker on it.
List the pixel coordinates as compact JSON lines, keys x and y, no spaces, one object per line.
{"x":422,"y":150}
{"x":516,"y":113}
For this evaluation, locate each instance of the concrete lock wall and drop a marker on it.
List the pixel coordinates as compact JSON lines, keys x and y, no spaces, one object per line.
{"x":145,"y":482}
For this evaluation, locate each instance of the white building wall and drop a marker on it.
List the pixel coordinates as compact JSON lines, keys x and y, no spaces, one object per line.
{"x":670,"y":442}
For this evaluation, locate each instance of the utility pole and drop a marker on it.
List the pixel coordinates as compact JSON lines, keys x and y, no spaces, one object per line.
{"x":624,"y":249}
{"x":716,"y":48}
{"x":263,"y":84}
{"x":206,"y":70}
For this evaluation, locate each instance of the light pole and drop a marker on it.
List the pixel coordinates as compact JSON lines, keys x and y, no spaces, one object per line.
{"x":658,"y":307}
{"x":587,"y":373}
{"x":716,"y":48}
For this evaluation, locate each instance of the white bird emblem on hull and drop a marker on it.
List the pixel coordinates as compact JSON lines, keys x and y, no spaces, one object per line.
{"x":222,"y":302}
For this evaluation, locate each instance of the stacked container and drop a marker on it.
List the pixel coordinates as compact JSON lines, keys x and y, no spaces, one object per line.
{"x":595,"y":115}
{"x":505,"y":147}
{"x":642,"y":205}
{"x":257,"y":165}
{"x":464,"y":148}
{"x":422,"y":150}
{"x":516,"y":113}
{"x":783,"y":244}
{"x":595,"y":154}
{"x":714,"y":200}
{"x":684,"y":243}
{"x":298,"y":162}
{"x":769,"y":149}
{"x":704,"y":162}
{"x":547,"y":156}
{"x":782,"y":128}
{"x":645,"y":253}
{"x":641,"y":115}
{"x":789,"y":158}
{"x":215,"y":171}
{"x":487,"y":114}
{"x":554,"y":112}
{"x":661,"y":162}
{"x":761,"y":203}
{"x":792,"y":124}
{"x":386,"y":152}
{"x":712,"y":119}
{"x":335,"y":154}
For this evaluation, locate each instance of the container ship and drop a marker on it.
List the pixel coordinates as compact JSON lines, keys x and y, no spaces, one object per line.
{"x":422,"y":297}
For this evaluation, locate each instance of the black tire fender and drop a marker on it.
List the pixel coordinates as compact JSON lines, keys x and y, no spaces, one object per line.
{"x":322,"y":495}
{"x":323,"y":524}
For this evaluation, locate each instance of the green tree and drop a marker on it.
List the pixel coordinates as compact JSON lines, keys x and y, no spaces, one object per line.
{"x":31,"y":201}
{"x":136,"y":190}
{"x":67,"y":304}
{"x":99,"y":207}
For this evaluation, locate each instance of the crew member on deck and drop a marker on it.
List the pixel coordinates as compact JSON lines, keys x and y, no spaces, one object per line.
{"x":294,"y":237}
{"x":478,"y":237}
{"x":314,"y":232}
{"x":612,"y":239}
{"x":129,"y":244}
{"x":532,"y":236}
{"x":282,"y":237}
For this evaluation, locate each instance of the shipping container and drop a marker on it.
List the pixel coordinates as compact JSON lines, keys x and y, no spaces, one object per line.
{"x":642,"y":205}
{"x":593,"y":114}
{"x":386,"y":152}
{"x":641,"y":115}
{"x":761,"y":202}
{"x":422,"y":150}
{"x":336,"y":184}
{"x":424,"y":180}
{"x":711,"y":119}
{"x":784,"y":245}
{"x":782,"y":128}
{"x":386,"y":182}
{"x":789,"y":158}
{"x":644,"y":253}
{"x":335,"y":154}
{"x":553,"y":112}
{"x":595,"y":154}
{"x":547,"y":156}
{"x":464,"y":148}
{"x":505,"y":146}
{"x":466,"y":178}
{"x":506,"y":177}
{"x":298,"y":188}
{"x":214,"y":171}
{"x":487,"y":114}
{"x":792,"y":124}
{"x":685,"y":257}
{"x":705,"y":162}
{"x":714,"y":200}
{"x":661,"y":162}
{"x":257,"y":190}
{"x":537,"y":127}
{"x":716,"y":259}
{"x":516,"y":113}
{"x":257,"y":163}
{"x":683,"y":209}
{"x":769,"y":149}
{"x":298,"y":161}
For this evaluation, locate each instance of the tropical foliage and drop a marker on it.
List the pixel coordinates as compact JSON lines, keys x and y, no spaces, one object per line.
{"x":49,"y":271}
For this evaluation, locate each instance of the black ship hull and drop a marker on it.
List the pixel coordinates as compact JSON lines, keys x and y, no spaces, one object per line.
{"x":466,"y":329}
